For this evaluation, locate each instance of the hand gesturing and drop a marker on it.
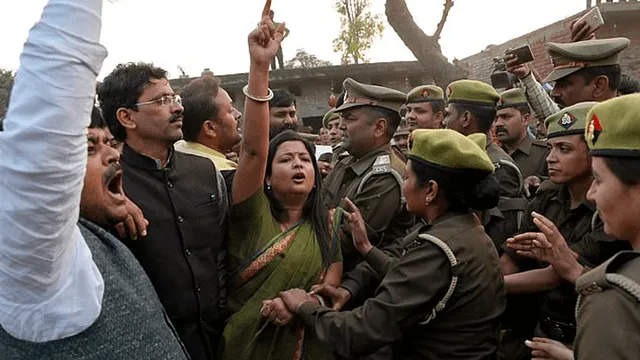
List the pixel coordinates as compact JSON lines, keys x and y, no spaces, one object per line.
{"x":549,"y":246}
{"x":265,"y":40}
{"x":358,"y":228}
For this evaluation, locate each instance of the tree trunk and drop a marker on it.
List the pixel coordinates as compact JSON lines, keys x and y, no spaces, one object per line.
{"x":424,"y":47}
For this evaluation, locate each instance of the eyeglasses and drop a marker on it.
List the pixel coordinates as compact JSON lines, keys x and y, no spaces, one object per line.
{"x":166,"y":100}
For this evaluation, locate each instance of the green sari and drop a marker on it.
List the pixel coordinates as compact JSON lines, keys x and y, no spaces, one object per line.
{"x":264,"y":261}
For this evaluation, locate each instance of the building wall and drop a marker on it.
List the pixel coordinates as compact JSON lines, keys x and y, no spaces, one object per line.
{"x":621,"y":20}
{"x":313,"y":87}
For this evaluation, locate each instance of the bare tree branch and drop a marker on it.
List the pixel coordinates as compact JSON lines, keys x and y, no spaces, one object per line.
{"x":448,"y":4}
{"x":424,"y":47}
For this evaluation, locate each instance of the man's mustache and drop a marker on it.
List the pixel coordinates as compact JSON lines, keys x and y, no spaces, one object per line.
{"x":500,"y":129}
{"x":175,"y":117}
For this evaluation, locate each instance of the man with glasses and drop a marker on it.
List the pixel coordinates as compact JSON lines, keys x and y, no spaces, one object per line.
{"x":183,"y":197}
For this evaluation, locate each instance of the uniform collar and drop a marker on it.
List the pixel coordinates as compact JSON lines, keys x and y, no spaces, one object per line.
{"x":469,"y":218}
{"x":360,"y":166}
{"x":525,"y":146}
{"x":564,"y":198}
{"x":137,"y":159}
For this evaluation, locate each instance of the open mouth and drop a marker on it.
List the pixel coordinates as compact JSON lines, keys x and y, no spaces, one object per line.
{"x":114,"y":186}
{"x":299,"y":177}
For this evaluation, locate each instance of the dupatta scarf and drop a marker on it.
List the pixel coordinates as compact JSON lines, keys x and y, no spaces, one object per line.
{"x":272,"y":261}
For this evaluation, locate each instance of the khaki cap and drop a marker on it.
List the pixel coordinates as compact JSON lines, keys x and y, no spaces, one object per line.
{"x":329,"y":117}
{"x":569,"y":121}
{"x":472,"y":92}
{"x":450,"y":149}
{"x":357,"y":94}
{"x":571,"y":57}
{"x":614,"y":127}
{"x":425,"y":93}
{"x":512,"y":98}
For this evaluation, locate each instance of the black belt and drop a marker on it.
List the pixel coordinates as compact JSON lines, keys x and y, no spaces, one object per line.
{"x":563,"y":332}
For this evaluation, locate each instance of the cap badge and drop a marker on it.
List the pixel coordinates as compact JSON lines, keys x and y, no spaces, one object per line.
{"x":425,"y":93}
{"x":594,"y":129}
{"x":449,"y":91}
{"x":567,"y":121}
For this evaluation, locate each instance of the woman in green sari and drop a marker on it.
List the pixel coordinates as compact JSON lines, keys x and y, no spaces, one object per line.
{"x":279,"y":235}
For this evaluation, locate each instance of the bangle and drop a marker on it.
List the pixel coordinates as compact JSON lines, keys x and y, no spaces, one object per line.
{"x":245,"y":91}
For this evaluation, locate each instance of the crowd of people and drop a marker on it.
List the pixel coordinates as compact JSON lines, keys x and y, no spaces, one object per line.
{"x":465,"y":223}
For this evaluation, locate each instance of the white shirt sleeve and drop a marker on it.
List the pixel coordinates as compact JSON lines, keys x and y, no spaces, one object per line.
{"x":50,"y":288}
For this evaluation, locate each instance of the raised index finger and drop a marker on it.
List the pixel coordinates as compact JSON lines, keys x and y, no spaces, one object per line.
{"x":267,"y":8}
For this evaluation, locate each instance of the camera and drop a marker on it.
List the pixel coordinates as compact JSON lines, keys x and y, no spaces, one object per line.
{"x":500,"y":78}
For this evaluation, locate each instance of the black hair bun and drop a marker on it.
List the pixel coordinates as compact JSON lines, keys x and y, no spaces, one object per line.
{"x":485,"y":194}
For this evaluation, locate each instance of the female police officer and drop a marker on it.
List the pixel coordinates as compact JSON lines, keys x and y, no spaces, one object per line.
{"x":443,"y":297}
{"x":610,"y":293}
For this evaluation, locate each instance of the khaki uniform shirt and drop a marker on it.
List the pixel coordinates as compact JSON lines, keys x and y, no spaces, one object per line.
{"x":467,"y":328}
{"x":508,"y":177}
{"x":338,"y":153}
{"x":531,"y":157}
{"x":501,"y":222}
{"x":583,"y":235}
{"x":608,"y":315}
{"x":379,"y":201}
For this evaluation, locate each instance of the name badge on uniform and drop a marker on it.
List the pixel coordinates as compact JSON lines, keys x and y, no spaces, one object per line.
{"x":382,"y":164}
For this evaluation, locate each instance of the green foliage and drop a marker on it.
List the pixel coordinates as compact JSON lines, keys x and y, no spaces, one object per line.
{"x":358,"y":29}
{"x":6,"y":81}
{"x":304,"y":60}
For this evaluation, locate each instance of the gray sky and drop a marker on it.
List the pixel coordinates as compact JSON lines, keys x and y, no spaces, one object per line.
{"x":212,"y":33}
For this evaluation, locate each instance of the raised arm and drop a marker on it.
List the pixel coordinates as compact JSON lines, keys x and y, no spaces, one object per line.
{"x":263,"y":46}
{"x":44,"y":261}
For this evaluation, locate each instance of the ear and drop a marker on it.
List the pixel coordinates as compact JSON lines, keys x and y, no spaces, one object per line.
{"x":439,"y":117}
{"x":380,"y":127}
{"x":600,"y":87}
{"x":124,"y":117}
{"x":432,"y":189}
{"x":209,"y":128}
{"x":526,"y":119}
{"x":267,"y":180}
{"x":465,"y":120}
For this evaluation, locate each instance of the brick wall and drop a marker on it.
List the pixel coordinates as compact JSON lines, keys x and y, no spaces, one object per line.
{"x":621,"y":20}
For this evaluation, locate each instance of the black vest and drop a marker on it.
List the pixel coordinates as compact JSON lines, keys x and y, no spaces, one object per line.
{"x":132,"y":323}
{"x":183,"y":253}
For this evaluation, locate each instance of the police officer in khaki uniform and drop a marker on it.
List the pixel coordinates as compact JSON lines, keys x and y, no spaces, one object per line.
{"x":607,"y":312}
{"x":443,"y":297}
{"x":400,"y":141}
{"x":512,"y":121}
{"x":425,"y":107}
{"x":471,"y":108}
{"x":563,"y":201}
{"x":331,"y":121}
{"x":372,"y":175}
{"x":582,"y":71}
